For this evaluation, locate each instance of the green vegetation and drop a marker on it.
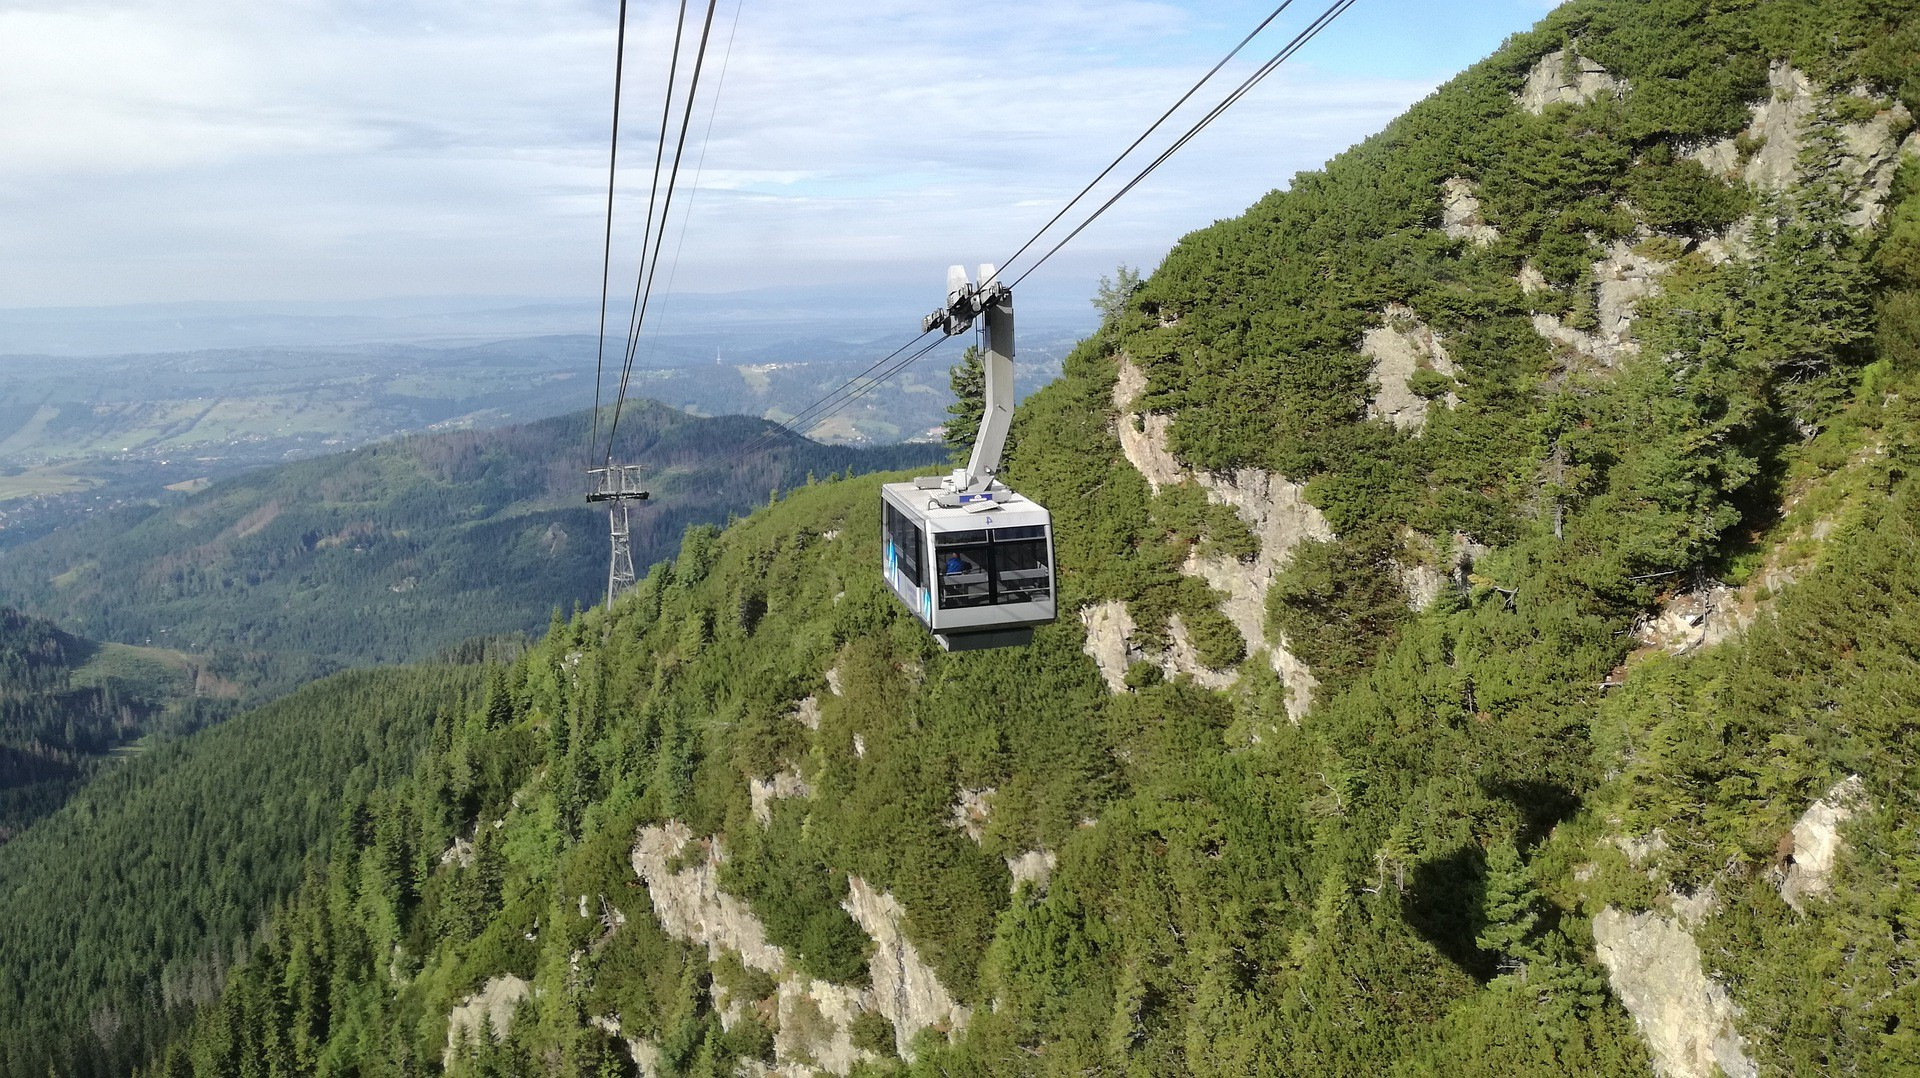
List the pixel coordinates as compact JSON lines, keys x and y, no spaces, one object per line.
{"x":1403,"y":882}
{"x":67,"y":704}
{"x":137,"y":895}
{"x":968,"y":381}
{"x":393,"y":552}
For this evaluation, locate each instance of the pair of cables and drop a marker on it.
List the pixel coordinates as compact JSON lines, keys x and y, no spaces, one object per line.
{"x":1287,"y":52}
{"x":893,"y":364}
{"x":660,"y":196}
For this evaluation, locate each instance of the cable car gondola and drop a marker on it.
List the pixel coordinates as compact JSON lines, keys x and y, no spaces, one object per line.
{"x":972,"y":559}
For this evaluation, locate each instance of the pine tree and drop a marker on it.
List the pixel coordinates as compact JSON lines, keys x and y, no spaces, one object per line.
{"x":1114,"y":292}
{"x":969,"y":383}
{"x":1509,"y":905}
{"x":500,"y":709}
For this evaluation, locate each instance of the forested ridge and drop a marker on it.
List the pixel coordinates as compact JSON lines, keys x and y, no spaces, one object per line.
{"x":67,"y":703}
{"x":396,"y":550}
{"x":1496,"y":576}
{"x":134,"y":898}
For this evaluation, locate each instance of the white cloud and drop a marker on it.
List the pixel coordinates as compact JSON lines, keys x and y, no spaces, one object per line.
{"x":338,"y":148}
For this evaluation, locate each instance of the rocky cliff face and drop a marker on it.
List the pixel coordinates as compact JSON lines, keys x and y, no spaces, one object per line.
{"x":1816,"y":843}
{"x":1564,"y":77}
{"x":1770,"y":154}
{"x":689,"y":903}
{"x":1623,"y":281}
{"x":905,"y":988}
{"x":814,"y":1017}
{"x":1401,"y":348}
{"x":490,"y":1009}
{"x":1686,"y":1017}
{"x":1461,"y":216}
{"x":1273,"y":508}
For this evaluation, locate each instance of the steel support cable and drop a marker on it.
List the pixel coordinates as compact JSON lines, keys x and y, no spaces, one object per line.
{"x":1184,"y":98}
{"x":812,"y":413}
{"x":686,"y":121}
{"x":1240,"y":91}
{"x":773,"y":434}
{"x":606,"y":253}
{"x":700,"y":166}
{"x":1313,"y":29}
{"x":1144,"y":135}
{"x":827,"y":404}
{"x":653,"y":198}
{"x":853,"y":390}
{"x":876,"y":383}
{"x":1234,"y":96}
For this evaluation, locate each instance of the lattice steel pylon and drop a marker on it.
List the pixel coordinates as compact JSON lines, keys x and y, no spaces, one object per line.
{"x":619,"y":486}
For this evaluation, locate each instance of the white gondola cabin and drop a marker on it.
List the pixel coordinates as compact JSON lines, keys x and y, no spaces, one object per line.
{"x":978,"y":575}
{"x":972,"y":559}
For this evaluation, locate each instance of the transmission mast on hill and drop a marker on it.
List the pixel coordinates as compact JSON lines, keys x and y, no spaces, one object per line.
{"x":619,"y":486}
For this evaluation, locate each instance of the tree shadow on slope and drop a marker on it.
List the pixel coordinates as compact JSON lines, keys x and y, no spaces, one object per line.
{"x":1541,"y":805}
{"x":1442,"y":904}
{"x":1445,"y":898}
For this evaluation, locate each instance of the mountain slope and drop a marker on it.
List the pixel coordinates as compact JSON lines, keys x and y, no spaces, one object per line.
{"x":392,"y":552}
{"x":135,"y":897}
{"x":67,"y":703}
{"x":1378,"y":506}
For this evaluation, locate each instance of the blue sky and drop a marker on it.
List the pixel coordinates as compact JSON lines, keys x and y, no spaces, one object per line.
{"x":161,"y":150}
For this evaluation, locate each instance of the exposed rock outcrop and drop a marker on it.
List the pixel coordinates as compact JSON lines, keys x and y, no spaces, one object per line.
{"x":1274,"y":508}
{"x":689,"y":902}
{"x":1182,"y":659}
{"x":1686,"y":1018}
{"x":1874,"y":149}
{"x":644,"y":1053}
{"x":905,"y":988}
{"x":1564,"y":77}
{"x":1780,"y":122}
{"x":646,"y":1057}
{"x":1778,"y":133}
{"x":1109,"y":641}
{"x":1143,"y":437}
{"x":971,"y":811}
{"x":491,"y":1008}
{"x":1426,"y":568}
{"x":777,"y":787}
{"x":1460,"y":214}
{"x":815,"y":1019}
{"x":1697,"y":618}
{"x":1034,"y":867}
{"x":1623,"y":280}
{"x":1401,"y":347}
{"x":1423,"y":584}
{"x":807,"y":713}
{"x":1816,"y":842}
{"x":459,"y":853}
{"x":1638,"y":850}
{"x":1113,"y":645}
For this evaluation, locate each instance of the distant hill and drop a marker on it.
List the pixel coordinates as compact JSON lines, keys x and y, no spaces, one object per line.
{"x":396,"y":551}
{"x":67,"y":704}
